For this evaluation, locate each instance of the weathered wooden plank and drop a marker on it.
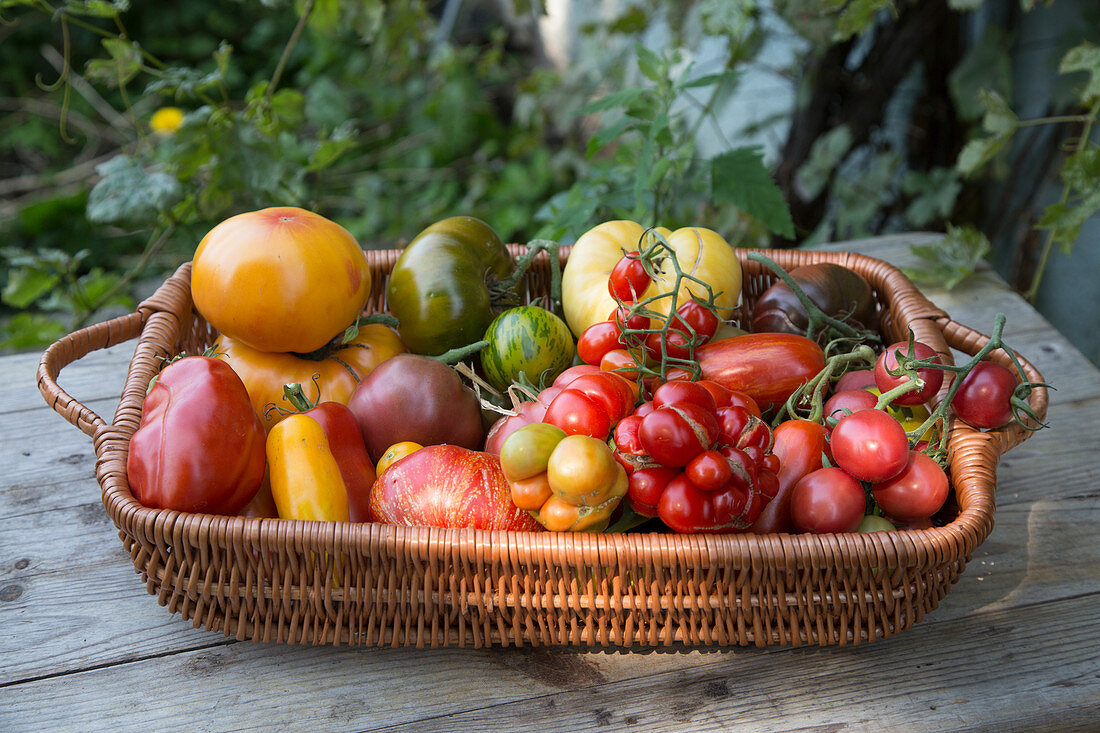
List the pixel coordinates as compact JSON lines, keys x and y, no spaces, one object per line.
{"x":40,"y":445}
{"x":96,"y":376}
{"x":979,"y":671}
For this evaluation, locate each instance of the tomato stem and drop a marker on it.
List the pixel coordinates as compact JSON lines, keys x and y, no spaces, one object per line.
{"x":461,"y":353}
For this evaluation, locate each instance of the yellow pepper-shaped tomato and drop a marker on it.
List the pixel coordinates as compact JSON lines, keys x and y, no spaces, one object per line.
{"x":569,"y":483}
{"x":700,"y":252}
{"x":338,"y":371}
{"x":305,"y":478}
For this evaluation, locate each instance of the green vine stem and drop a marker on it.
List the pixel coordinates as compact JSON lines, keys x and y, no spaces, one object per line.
{"x":461,"y":353}
{"x":653,"y":250}
{"x":818,"y":318}
{"x":810,"y":397}
{"x":504,"y":289}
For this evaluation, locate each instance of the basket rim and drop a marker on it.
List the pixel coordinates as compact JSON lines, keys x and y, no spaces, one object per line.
{"x":973,"y":454}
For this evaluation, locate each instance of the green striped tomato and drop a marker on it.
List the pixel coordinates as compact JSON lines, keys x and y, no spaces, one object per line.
{"x":526,"y":339}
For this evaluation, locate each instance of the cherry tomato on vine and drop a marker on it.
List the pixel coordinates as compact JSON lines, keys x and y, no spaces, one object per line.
{"x":827,"y":500}
{"x":621,"y":362}
{"x":916,"y":493}
{"x":597,"y":340}
{"x":622,"y":318}
{"x":858,"y":379}
{"x":983,"y":399}
{"x":932,"y":377}
{"x":871,"y":445}
{"x":628,"y":278}
{"x":676,"y":345}
{"x":693,"y":316}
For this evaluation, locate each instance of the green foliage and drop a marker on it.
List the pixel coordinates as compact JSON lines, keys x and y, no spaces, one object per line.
{"x":740,"y":177}
{"x":951,"y":259}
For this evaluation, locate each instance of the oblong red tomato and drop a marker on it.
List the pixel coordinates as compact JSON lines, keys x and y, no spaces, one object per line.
{"x":448,"y":486}
{"x":799,"y":445}
{"x":766,"y":366}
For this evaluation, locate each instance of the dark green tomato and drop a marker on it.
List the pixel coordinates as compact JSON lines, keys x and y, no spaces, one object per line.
{"x":440,"y":287}
{"x":526,"y":339}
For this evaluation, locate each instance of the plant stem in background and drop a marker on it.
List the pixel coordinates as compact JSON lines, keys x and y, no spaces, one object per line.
{"x":277,"y":75}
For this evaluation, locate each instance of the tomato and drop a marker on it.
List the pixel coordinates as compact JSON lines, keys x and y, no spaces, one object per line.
{"x":526,"y":413}
{"x":673,"y":344}
{"x":569,"y":483}
{"x":870,"y":445}
{"x":417,"y":398}
{"x":675,"y":393}
{"x":628,"y":278}
{"x":838,"y":291}
{"x":646,"y":486}
{"x":280,"y":279}
{"x":623,"y":318}
{"x":709,"y":471}
{"x":917,"y":492}
{"x":686,"y":508}
{"x":328,"y":376}
{"x":845,"y":402}
{"x":695,"y":320}
{"x":800,"y":446}
{"x":573,"y":372}
{"x":448,"y":486}
{"x":591,"y":405}
{"x":857,"y":379}
{"x":597,"y":340}
{"x":875,"y":523}
{"x":319,"y":466}
{"x":767,"y":367}
{"x":674,"y":435}
{"x":827,"y":500}
{"x":621,"y":362}
{"x":395,"y":453}
{"x":199,"y":447}
{"x":528,"y":340}
{"x":983,"y":399}
{"x":930,"y":376}
{"x":440,"y":286}
{"x":700,"y":252}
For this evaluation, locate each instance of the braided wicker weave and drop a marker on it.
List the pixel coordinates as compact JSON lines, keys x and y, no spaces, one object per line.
{"x":344,"y":583}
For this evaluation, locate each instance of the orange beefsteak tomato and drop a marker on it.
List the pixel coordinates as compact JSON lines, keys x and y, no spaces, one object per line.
{"x":280,"y":279}
{"x":338,"y":369}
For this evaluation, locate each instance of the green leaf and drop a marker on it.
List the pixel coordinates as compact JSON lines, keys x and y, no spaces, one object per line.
{"x":30,"y":331}
{"x":124,"y":64}
{"x":739,"y":177}
{"x":26,"y":285}
{"x":856,"y":16}
{"x":710,"y":79}
{"x":95,"y":8}
{"x":606,"y":135}
{"x":649,"y":63}
{"x":127,"y":192}
{"x":1084,"y":58}
{"x":621,"y":98}
{"x":987,"y":65}
{"x":978,"y":152}
{"x":727,"y":17}
{"x":633,"y":20}
{"x":951,"y":259}
{"x":827,"y":152}
{"x":934,"y":195}
{"x":999,"y":117}
{"x":1081,"y":176}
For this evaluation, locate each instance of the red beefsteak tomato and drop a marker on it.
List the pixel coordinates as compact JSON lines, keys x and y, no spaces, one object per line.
{"x":448,"y":486}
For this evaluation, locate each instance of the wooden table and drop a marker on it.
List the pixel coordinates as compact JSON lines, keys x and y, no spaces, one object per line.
{"x":1014,"y":646}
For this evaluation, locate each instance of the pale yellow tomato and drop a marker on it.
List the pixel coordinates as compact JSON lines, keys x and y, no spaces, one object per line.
{"x":701,"y":253}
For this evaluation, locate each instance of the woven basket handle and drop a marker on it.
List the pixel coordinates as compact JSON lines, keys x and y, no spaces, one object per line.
{"x":969,"y":341}
{"x":76,"y":346}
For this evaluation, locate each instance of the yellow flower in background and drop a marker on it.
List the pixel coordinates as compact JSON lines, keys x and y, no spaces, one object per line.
{"x":166,"y":120}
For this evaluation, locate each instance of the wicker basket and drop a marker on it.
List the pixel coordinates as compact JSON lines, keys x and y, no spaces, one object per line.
{"x":345,"y":583}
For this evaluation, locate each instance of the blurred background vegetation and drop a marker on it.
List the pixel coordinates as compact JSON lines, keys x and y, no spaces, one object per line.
{"x":782,"y":123}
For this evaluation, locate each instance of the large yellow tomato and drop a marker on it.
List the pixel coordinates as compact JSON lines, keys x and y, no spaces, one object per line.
{"x":280,"y":279}
{"x":338,"y":373}
{"x":701,"y":253}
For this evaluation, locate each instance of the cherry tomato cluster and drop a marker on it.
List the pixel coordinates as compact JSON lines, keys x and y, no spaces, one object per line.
{"x":606,"y":344}
{"x":698,"y":457}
